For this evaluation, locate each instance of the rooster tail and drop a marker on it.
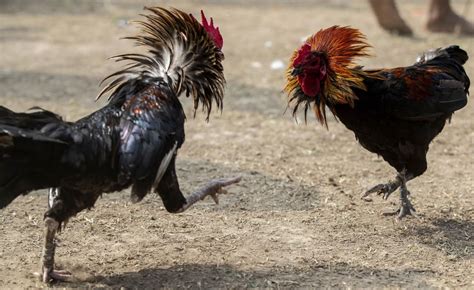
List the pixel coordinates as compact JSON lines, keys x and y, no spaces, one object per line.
{"x":180,"y":53}
{"x":450,"y":58}
{"x":26,"y":156}
{"x":451,"y":52}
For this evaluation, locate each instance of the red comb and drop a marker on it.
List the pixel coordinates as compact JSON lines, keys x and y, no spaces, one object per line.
{"x":212,"y":31}
{"x":302,"y":52}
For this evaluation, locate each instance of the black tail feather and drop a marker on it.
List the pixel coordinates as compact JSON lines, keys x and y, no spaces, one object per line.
{"x":455,"y":52}
{"x":451,"y":52}
{"x":35,"y":119}
{"x":26,"y":155}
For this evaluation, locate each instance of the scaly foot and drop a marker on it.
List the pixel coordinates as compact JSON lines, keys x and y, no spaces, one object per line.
{"x":385,"y":189}
{"x":51,"y":275}
{"x":215,"y":187}
{"x":406,"y":208}
{"x":212,"y":189}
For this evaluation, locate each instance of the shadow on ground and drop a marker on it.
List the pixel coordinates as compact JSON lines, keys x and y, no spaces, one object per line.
{"x":211,"y":276}
{"x":454,"y":237}
{"x":256,"y":189}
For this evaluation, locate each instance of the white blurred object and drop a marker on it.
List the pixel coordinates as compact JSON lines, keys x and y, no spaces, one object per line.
{"x":122,"y":23}
{"x":304,"y":38}
{"x":277,"y":64}
{"x":256,"y":64}
{"x":268,"y":44}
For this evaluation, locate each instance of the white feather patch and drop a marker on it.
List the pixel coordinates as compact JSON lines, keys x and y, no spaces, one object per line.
{"x":165,"y":162}
{"x":52,"y":195}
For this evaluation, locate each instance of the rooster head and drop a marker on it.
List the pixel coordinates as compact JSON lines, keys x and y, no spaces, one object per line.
{"x":322,"y":72}
{"x":310,"y":69}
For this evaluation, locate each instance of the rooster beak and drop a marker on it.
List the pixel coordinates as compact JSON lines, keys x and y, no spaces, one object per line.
{"x":296,"y":71}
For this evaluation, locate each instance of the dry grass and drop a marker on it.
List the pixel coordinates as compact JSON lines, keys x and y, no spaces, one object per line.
{"x":296,"y":219}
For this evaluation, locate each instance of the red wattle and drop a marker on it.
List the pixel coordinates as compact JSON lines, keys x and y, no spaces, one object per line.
{"x":310,"y":84}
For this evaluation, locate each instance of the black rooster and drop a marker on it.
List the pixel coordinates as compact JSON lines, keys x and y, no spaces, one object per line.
{"x":132,"y":141}
{"x":395,"y":113}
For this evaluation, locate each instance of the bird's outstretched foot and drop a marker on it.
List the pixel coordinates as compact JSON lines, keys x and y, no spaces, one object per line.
{"x":215,"y":187}
{"x":212,"y":189}
{"x":385,"y":189}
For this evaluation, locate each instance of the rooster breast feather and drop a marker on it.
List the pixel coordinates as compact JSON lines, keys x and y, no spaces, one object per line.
{"x":151,"y":132}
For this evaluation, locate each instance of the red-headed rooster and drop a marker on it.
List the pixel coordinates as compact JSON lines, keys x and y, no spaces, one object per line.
{"x":395,"y":113}
{"x":132,"y":141}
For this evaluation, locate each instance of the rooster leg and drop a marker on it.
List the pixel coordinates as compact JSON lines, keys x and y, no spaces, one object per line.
{"x":213,"y":188}
{"x":63,"y":203}
{"x":406,"y":208}
{"x":48,"y":254}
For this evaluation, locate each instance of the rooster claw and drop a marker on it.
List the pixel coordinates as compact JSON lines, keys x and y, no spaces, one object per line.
{"x":212,"y":189}
{"x":227,"y":181}
{"x":406,"y":208}
{"x":219,"y":187}
{"x":51,"y":275}
{"x":385,"y":189}
{"x":60,"y":275}
{"x":403,"y":211}
{"x":215,"y":196}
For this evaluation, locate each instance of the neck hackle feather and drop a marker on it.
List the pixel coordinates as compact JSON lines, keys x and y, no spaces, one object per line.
{"x":180,"y":53}
{"x":339,"y":46}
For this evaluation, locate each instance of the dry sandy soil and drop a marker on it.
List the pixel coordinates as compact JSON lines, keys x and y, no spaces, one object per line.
{"x":296,"y":219}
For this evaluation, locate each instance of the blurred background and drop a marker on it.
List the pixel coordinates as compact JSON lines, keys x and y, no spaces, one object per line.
{"x":296,"y":219}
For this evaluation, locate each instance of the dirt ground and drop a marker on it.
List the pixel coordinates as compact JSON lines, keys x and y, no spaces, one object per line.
{"x":296,"y":219}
